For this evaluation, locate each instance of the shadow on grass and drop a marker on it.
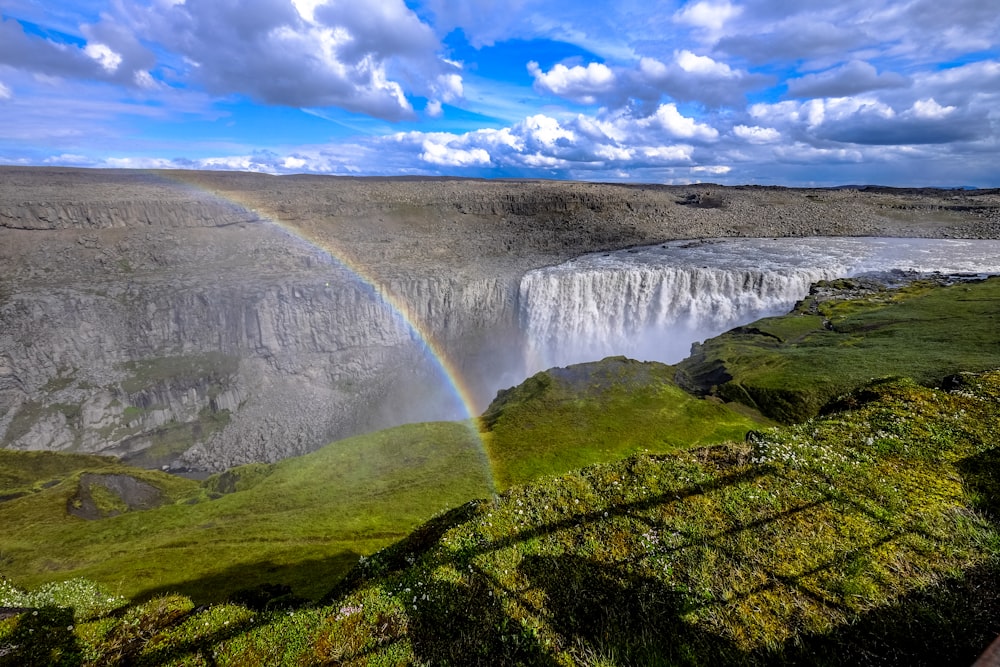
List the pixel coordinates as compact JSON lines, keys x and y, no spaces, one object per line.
{"x":449,"y":629}
{"x":264,"y":587}
{"x":610,"y":614}
{"x":951,"y":623}
{"x":597,"y":611}
{"x":606,"y":613}
{"x":41,"y":637}
{"x":981,"y":474}
{"x":258,"y":581}
{"x":186,"y":651}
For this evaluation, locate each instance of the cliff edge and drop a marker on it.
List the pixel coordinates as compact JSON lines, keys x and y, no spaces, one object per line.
{"x":208,"y":319}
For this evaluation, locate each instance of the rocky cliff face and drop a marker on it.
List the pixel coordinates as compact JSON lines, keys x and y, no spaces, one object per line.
{"x":210,"y":373}
{"x":204,"y":320}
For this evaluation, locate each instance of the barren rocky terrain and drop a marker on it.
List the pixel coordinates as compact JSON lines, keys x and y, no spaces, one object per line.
{"x":205,"y":319}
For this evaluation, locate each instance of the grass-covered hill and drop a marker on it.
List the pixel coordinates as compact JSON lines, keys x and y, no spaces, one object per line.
{"x":567,"y":418}
{"x":790,"y":367}
{"x":635,"y":523}
{"x":301,"y":523}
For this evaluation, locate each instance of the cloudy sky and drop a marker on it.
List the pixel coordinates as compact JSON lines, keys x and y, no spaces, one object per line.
{"x":728,"y":91}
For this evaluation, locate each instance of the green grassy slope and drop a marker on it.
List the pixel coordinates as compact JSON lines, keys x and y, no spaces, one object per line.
{"x":789,"y":367}
{"x":742,"y":553}
{"x":302,"y":525}
{"x":866,"y":537}
{"x":566,"y":418}
{"x":263,"y":524}
{"x":24,"y":473}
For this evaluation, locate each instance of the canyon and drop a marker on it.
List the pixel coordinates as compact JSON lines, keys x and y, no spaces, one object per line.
{"x":201,"y":320}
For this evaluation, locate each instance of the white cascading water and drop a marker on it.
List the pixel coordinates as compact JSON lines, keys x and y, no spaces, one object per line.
{"x":653,"y":303}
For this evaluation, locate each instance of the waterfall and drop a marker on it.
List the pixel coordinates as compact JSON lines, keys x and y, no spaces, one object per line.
{"x":647,"y":312}
{"x":653,"y":303}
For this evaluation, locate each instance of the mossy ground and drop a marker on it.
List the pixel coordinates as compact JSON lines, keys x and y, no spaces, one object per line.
{"x":868,"y":536}
{"x":789,"y":367}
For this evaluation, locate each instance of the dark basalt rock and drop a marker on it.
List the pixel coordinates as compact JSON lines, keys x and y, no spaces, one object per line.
{"x":133,"y":493}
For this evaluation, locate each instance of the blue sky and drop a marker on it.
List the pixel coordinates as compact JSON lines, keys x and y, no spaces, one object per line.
{"x":727,"y":91}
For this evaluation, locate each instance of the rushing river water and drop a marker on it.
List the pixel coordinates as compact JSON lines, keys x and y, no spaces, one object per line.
{"x":652,"y":303}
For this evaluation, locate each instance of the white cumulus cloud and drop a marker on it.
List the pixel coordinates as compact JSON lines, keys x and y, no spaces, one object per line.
{"x":929,"y":108}
{"x":704,"y":65}
{"x":294,"y":163}
{"x":677,"y":125}
{"x":687,"y":76}
{"x":692,"y":77}
{"x":668,"y":154}
{"x":715,"y":169}
{"x":434,"y":109}
{"x":707,"y":14}
{"x":546,"y":131}
{"x":582,"y":84}
{"x":104,"y":56}
{"x":756,"y":134}
{"x":363,"y":57}
{"x":870,"y":121}
{"x":445,"y":155}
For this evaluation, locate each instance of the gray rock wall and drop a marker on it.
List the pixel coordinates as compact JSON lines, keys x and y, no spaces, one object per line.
{"x":264,"y":369}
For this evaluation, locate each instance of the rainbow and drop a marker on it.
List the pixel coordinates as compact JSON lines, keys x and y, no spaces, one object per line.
{"x":341,"y":259}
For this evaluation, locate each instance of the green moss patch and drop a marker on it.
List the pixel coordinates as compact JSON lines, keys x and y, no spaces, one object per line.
{"x":865,"y":537}
{"x":789,"y":367}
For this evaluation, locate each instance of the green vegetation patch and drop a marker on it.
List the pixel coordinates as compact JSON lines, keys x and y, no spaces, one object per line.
{"x":175,"y":438}
{"x":789,"y":367}
{"x":566,"y":418}
{"x":304,"y":528}
{"x":180,"y":370}
{"x":865,"y":537}
{"x":30,"y":472}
